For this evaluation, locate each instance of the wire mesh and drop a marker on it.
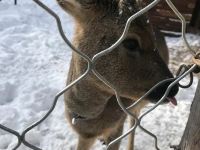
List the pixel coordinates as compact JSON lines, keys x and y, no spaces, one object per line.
{"x":91,"y":68}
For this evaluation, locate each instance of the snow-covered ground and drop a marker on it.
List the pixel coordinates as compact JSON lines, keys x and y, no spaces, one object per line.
{"x":34,"y":61}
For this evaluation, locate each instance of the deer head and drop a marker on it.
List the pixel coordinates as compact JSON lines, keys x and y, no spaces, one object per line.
{"x":133,"y":67}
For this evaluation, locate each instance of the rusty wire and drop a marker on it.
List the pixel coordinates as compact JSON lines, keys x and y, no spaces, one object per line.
{"x":91,"y":67}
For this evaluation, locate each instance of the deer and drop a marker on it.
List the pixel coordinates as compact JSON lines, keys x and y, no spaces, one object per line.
{"x":135,"y":66}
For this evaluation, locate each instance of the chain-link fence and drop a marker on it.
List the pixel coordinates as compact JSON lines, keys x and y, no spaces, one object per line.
{"x":181,"y":73}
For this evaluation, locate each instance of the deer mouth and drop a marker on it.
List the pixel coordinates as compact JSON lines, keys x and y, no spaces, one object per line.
{"x":167,"y":100}
{"x":158,"y":93}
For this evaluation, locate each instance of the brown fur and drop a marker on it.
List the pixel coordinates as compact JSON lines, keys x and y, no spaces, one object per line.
{"x":97,"y":26}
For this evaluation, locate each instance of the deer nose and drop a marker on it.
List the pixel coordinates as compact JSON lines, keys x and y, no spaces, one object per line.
{"x":158,"y":92}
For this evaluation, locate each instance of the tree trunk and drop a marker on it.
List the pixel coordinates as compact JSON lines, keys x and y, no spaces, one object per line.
{"x":191,"y":136}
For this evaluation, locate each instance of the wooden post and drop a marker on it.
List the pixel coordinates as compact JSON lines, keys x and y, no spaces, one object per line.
{"x":191,"y":136}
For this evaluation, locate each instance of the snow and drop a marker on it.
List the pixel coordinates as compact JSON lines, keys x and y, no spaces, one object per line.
{"x":34,"y":62}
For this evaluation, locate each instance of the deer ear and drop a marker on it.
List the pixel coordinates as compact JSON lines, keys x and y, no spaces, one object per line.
{"x":72,"y":7}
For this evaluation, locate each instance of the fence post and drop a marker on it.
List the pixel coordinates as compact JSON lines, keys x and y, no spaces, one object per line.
{"x":191,"y":136}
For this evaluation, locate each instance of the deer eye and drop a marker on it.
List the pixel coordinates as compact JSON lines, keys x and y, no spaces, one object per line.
{"x":131,"y":44}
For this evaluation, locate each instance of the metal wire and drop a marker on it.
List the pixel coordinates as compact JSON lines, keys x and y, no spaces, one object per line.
{"x":185,"y":67}
{"x":180,"y":16}
{"x":91,"y":68}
